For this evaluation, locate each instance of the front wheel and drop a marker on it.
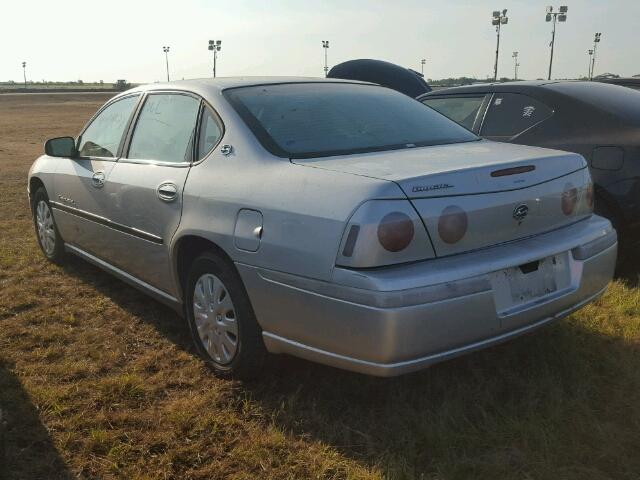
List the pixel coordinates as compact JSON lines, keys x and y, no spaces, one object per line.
{"x":49,"y":239}
{"x":221,"y":319}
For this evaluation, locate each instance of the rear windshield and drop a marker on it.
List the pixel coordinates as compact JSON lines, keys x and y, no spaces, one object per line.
{"x":323,"y":119}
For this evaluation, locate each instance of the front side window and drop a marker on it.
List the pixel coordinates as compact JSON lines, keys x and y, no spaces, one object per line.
{"x":321,"y":119}
{"x":210,"y":133}
{"x":103,"y":136}
{"x":165,"y":128}
{"x":462,"y":110}
{"x":510,"y":114}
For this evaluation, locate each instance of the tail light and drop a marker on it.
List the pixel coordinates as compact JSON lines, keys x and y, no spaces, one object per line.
{"x":452,"y":224}
{"x":395,"y":231}
{"x":589,"y":197}
{"x":569,"y":199}
{"x":384,"y":232}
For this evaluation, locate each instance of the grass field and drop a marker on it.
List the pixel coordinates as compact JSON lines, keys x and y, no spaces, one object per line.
{"x":99,"y":381}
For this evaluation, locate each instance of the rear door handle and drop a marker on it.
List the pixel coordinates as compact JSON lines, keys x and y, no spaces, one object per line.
{"x":167,"y":192}
{"x":97,"y":179}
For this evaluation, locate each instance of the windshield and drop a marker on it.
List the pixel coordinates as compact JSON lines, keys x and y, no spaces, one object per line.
{"x":323,"y":119}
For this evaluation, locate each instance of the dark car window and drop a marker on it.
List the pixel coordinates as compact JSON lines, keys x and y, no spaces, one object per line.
{"x":321,"y":119}
{"x":459,"y":109}
{"x":210,"y":133}
{"x":165,"y":128}
{"x":102,"y":137}
{"x":510,"y":114}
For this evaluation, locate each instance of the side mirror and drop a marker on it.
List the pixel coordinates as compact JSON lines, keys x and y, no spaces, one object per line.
{"x":61,"y":147}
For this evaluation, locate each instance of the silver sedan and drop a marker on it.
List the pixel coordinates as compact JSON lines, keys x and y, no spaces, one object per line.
{"x":337,"y":221}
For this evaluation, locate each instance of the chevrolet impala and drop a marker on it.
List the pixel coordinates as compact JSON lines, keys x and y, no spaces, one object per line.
{"x":337,"y":221}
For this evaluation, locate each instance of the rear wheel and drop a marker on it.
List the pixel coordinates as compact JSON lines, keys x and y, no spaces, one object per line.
{"x":221,"y":319}
{"x":49,"y":239}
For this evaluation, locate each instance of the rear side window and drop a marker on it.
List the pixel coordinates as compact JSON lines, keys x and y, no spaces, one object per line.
{"x":165,"y":128}
{"x":210,"y":133}
{"x":103,"y":136}
{"x":510,"y":114}
{"x":321,"y":119}
{"x":462,"y":110}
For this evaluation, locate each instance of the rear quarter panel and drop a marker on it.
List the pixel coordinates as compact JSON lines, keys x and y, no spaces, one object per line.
{"x":304,"y":209}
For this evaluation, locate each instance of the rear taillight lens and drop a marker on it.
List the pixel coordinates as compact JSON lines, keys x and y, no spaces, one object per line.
{"x":452,"y":225}
{"x":384,"y":232}
{"x":569,"y":199}
{"x":395,"y":231}
{"x":589,"y":196}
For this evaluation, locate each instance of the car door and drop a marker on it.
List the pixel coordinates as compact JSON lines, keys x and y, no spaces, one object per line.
{"x":465,"y":109}
{"x":512,"y":114}
{"x":145,"y":186}
{"x":79,"y":201}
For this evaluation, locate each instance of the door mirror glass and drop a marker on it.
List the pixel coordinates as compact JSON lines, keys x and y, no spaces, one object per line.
{"x":61,"y":147}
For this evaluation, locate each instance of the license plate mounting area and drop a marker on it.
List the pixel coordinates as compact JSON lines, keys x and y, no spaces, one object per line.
{"x":516,"y":287}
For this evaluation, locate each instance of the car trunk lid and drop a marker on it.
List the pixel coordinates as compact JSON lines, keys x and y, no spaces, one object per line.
{"x":495,"y":192}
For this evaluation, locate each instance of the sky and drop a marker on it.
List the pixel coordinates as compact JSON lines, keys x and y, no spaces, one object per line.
{"x":116,"y":39}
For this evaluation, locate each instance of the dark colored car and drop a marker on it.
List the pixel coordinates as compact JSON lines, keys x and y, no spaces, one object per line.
{"x":633,"y":82}
{"x":597,"y":120}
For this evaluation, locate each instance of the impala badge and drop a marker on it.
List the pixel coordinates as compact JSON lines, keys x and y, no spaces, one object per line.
{"x":520,"y":212}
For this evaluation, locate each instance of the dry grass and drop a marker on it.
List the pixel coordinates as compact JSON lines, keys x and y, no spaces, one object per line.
{"x":98,"y":381}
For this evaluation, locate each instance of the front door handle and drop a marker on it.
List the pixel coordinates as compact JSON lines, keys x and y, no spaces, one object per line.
{"x":167,"y":192}
{"x":97,"y":179}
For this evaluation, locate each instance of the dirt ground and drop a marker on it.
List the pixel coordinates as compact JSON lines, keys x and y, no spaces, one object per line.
{"x":99,"y":381}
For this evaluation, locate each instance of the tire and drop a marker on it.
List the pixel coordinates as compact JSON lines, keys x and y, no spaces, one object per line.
{"x":223,"y":325}
{"x":49,"y":238}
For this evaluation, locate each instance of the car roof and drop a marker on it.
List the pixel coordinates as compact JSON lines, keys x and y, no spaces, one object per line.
{"x":515,"y":86}
{"x":617,"y":100}
{"x":213,"y":86}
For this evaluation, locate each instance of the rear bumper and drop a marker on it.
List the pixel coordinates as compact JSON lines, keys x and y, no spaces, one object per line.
{"x":399,"y":319}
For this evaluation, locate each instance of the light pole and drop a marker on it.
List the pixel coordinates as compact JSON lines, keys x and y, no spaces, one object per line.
{"x":515,"y":65}
{"x":422,"y":63}
{"x":166,"y":57}
{"x":325,"y":45}
{"x":560,"y":16}
{"x":596,"y":41}
{"x":215,"y":46}
{"x":590,"y":52}
{"x":499,"y":19}
{"x":24,"y":73}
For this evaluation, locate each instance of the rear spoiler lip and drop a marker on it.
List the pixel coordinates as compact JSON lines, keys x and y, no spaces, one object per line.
{"x":412,"y":197}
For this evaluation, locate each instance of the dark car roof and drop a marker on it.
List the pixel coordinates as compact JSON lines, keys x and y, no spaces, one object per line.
{"x":633,"y":82}
{"x":614,"y":99}
{"x":516,"y":87}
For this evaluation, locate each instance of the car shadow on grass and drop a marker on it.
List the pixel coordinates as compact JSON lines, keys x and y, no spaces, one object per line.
{"x":166,"y":321}
{"x":563,"y":399}
{"x":26,"y":449}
